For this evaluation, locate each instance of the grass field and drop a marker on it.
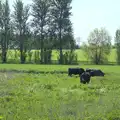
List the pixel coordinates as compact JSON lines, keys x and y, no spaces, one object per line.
{"x":56,"y":96}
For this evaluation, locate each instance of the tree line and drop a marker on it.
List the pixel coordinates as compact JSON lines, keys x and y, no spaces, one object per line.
{"x":44,"y":25}
{"x":98,"y":46}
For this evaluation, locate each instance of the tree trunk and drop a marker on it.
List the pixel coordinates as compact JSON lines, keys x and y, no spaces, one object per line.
{"x":4,"y":47}
{"x":21,"y":50}
{"x":21,"y":56}
{"x":96,"y":58}
{"x":61,"y":52}
{"x":42,"y":47}
{"x":4,"y":51}
{"x":45,"y":56}
{"x":4,"y":55}
{"x":42,"y":52}
{"x":49,"y":56}
{"x":100,"y":55}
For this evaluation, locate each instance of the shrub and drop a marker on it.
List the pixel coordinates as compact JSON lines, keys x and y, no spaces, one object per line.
{"x":47,"y":56}
{"x":30,"y":56}
{"x":69,"y":58}
{"x":36,"y":56}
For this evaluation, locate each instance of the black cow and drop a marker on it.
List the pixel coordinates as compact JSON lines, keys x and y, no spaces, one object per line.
{"x":75,"y":71}
{"x":85,"y":78}
{"x":95,"y":72}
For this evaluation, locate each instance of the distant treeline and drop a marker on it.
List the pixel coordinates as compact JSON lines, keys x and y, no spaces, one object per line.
{"x":44,"y":25}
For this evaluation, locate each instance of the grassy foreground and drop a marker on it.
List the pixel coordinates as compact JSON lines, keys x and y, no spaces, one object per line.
{"x":57,"y":96}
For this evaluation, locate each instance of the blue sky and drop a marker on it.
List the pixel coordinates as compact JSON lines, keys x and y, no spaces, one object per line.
{"x":90,"y":14}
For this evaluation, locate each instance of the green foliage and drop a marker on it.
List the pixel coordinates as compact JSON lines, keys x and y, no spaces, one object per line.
{"x":117,"y":45}
{"x":20,"y":18}
{"x":69,"y":57}
{"x":4,"y":29}
{"x":41,"y":16}
{"x":13,"y":56}
{"x":24,"y":55}
{"x":36,"y":56}
{"x":0,"y":56}
{"x":61,"y":17}
{"x":30,"y":53}
{"x":47,"y":56}
{"x":17,"y":55}
{"x":99,"y":46}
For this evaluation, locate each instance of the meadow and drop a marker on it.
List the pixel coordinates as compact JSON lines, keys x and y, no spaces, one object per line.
{"x":41,"y":96}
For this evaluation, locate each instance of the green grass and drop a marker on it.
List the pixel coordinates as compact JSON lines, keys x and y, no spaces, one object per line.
{"x":57,"y":96}
{"x":34,"y":67}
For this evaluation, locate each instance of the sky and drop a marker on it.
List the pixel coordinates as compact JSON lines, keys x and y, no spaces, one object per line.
{"x":90,"y":14}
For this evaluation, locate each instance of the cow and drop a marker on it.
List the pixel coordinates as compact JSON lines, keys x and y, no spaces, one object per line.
{"x":85,"y":78}
{"x":75,"y":71}
{"x":95,"y":72}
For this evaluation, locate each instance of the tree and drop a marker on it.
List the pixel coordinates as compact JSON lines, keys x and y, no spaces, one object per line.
{"x":61,"y":17}
{"x":41,"y":13}
{"x":117,"y":45}
{"x":1,"y":24}
{"x":99,"y":45}
{"x":5,"y":28}
{"x":69,"y":41}
{"x":20,"y":20}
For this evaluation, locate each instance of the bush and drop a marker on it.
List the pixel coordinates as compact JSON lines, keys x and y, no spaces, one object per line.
{"x":36,"y":56}
{"x":69,"y":58}
{"x":47,"y":56}
{"x":24,"y":55}
{"x":30,"y":56}
{"x":17,"y":55}
{"x":113,"y":115}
